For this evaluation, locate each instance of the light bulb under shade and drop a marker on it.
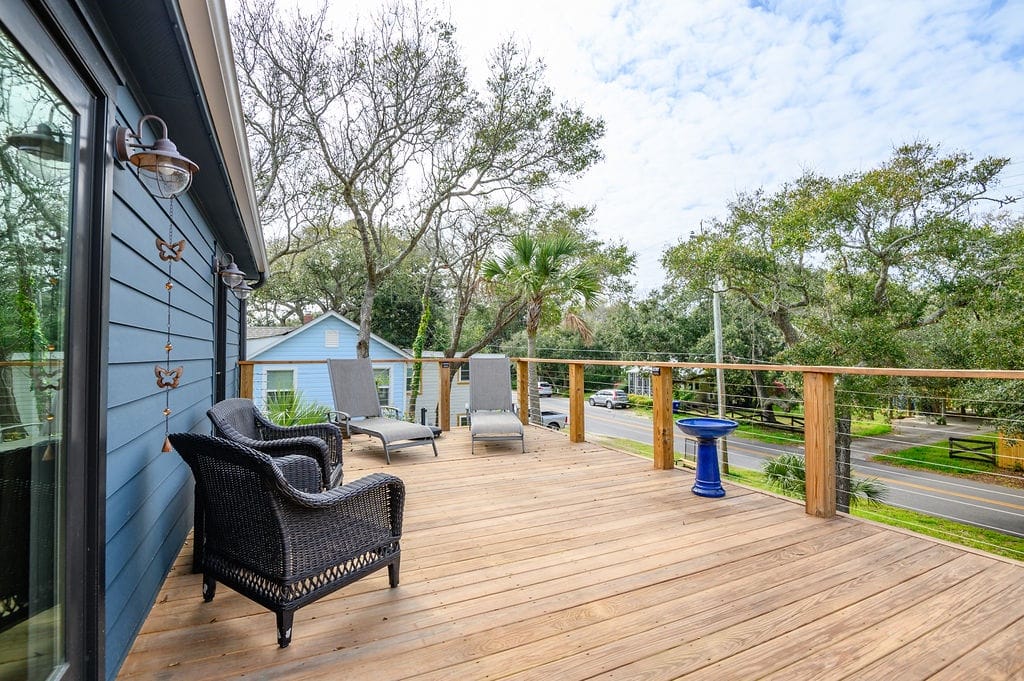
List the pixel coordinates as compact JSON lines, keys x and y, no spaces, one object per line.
{"x":164,"y":175}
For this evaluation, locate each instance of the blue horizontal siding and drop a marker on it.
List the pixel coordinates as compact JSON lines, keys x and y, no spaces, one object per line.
{"x":164,"y":544}
{"x":149,"y":492}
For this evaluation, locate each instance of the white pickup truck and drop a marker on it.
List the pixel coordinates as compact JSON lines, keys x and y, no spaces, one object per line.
{"x":554,"y":420}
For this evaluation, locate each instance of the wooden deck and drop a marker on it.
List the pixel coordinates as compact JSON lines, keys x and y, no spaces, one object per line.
{"x":575,"y":562}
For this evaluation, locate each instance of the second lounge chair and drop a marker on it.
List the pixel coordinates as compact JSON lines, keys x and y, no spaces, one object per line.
{"x":490,"y":402}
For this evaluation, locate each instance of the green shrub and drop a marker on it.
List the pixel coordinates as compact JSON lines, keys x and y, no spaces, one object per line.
{"x":786,"y":474}
{"x":289,"y":408}
{"x":641,"y":401}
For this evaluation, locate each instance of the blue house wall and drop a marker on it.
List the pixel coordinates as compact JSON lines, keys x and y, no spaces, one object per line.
{"x":308,"y":342}
{"x":148,"y":491}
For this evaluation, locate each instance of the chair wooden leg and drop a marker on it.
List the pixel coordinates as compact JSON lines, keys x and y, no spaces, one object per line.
{"x":284,"y":627}
{"x":209,"y":588}
{"x":393,"y":568}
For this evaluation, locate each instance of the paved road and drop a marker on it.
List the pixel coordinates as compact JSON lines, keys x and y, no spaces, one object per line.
{"x":989,"y":506}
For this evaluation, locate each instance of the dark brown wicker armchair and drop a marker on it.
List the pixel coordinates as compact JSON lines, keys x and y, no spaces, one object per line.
{"x":273,"y":537}
{"x":240,"y":421}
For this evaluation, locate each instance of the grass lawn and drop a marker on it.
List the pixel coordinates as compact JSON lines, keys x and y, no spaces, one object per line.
{"x":932,"y":526}
{"x":939,"y":528}
{"x":934,"y":458}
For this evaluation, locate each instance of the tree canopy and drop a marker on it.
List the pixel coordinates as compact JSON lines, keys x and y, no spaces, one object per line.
{"x":401,"y":139}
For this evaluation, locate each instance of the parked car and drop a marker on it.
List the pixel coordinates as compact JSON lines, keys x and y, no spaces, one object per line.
{"x":554,"y":420}
{"x":609,"y":398}
{"x":544,"y":389}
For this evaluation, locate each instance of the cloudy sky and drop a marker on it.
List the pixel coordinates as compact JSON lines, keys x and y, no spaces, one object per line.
{"x":706,"y":98}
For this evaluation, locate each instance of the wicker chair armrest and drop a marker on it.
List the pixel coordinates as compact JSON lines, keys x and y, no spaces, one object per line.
{"x":302,"y":472}
{"x":338,"y":496}
{"x":378,"y":498}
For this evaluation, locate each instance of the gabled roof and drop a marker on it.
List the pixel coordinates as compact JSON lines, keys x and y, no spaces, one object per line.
{"x":254,"y":332}
{"x":291,"y":332}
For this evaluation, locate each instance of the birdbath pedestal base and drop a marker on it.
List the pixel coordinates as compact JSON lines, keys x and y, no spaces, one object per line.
{"x":707,"y":431}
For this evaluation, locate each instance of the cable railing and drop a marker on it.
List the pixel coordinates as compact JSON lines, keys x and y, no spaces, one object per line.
{"x":900,"y":423}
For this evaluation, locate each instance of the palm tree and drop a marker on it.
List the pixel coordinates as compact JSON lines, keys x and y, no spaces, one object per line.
{"x":544,"y":270}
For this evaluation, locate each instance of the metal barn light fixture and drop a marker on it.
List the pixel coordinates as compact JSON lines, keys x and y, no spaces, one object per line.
{"x":228,"y":271}
{"x":242,"y":291}
{"x":232,"y":277}
{"x":164,"y":171}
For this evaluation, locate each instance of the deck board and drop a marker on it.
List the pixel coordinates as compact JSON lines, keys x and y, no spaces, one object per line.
{"x":573,"y":561}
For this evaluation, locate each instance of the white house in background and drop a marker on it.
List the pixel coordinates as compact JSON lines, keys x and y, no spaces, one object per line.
{"x":638,"y":381}
{"x":328,"y":336}
{"x":430,"y":390}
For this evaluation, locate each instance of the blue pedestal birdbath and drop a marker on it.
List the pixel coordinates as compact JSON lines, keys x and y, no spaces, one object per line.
{"x":707,"y":431}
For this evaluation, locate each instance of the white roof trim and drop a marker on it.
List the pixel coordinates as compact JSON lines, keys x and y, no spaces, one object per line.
{"x":206,"y":24}
{"x":328,"y":315}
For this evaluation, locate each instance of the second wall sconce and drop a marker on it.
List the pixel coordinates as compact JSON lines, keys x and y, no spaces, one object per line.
{"x":163,"y":171}
{"x":232,"y":277}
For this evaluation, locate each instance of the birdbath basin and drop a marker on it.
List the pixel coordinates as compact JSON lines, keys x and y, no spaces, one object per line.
{"x":707,"y":431}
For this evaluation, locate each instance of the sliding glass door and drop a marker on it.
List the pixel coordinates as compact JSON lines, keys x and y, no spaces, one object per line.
{"x":38,"y":130}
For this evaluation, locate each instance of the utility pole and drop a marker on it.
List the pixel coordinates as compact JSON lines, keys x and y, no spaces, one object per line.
{"x":720,"y":372}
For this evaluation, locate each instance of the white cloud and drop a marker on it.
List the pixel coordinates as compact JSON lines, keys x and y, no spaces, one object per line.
{"x":706,"y":99}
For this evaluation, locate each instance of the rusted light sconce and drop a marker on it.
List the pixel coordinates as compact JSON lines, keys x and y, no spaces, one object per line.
{"x":228,"y":271}
{"x":242,"y":291}
{"x":163,"y":171}
{"x":232,"y":277}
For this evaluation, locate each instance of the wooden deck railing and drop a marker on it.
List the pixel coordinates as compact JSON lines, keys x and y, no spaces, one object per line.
{"x":819,"y":405}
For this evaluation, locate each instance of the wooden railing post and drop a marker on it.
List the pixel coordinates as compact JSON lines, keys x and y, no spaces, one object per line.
{"x":523,"y":390}
{"x":664,"y":442}
{"x":577,"y":429}
{"x":444,"y":399}
{"x":820,"y":444}
{"x":245,"y":371}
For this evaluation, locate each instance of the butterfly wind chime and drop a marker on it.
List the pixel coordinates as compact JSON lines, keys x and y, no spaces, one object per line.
{"x":167,"y":378}
{"x":166,"y":174}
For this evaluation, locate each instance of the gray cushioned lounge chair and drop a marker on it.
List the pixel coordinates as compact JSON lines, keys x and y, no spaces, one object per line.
{"x":358,"y":408}
{"x":490,"y":402}
{"x":274,"y":537}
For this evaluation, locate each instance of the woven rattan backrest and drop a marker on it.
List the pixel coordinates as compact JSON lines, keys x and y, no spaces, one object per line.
{"x":490,"y":385}
{"x":355,"y":391}
{"x":239,"y":497}
{"x":236,"y":413}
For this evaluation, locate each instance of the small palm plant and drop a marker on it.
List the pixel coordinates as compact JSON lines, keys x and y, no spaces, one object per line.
{"x":290,"y":408}
{"x":786,"y":474}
